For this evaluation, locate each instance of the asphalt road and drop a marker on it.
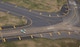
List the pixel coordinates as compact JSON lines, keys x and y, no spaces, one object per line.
{"x":73,"y":17}
{"x":41,"y":23}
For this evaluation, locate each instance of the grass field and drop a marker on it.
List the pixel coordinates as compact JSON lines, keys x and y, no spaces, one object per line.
{"x":40,"y":42}
{"x":8,"y":19}
{"x":40,"y":5}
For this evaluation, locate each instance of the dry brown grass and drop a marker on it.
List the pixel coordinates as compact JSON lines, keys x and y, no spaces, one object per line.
{"x":40,"y":5}
{"x":46,"y":43}
{"x":26,"y":43}
{"x":43,"y":43}
{"x":8,"y":19}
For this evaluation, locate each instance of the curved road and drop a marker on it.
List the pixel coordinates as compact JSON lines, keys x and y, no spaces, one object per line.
{"x":56,"y":26}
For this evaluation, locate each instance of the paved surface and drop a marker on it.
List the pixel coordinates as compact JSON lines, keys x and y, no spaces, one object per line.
{"x":54,"y":24}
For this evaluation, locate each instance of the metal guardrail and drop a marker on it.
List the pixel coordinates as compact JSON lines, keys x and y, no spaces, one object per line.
{"x":12,"y":26}
{"x":31,"y":36}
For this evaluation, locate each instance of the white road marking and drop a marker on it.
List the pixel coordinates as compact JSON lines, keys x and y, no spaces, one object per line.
{"x":70,"y":28}
{"x":50,"y":27}
{"x":49,"y":15}
{"x":40,"y":13}
{"x":30,"y":10}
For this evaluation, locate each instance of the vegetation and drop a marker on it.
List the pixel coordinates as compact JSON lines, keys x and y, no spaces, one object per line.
{"x":78,"y":0}
{"x":40,"y":42}
{"x":40,"y":5}
{"x":8,"y":44}
{"x":8,"y":19}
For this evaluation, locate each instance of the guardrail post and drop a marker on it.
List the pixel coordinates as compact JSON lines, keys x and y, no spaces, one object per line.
{"x":41,"y":35}
{"x":58,"y":15}
{"x":0,"y":28}
{"x":4,"y":40}
{"x":58,"y":33}
{"x":19,"y":37}
{"x":69,"y":33}
{"x":31,"y":36}
{"x":50,"y":34}
{"x":14,"y":26}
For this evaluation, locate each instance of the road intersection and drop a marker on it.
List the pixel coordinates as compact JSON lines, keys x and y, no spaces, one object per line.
{"x":43,"y":24}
